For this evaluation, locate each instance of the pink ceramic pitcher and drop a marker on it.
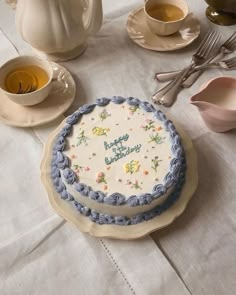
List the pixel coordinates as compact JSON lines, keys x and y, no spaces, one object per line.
{"x":216,"y":102}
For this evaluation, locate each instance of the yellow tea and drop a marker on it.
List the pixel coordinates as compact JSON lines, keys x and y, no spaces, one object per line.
{"x":26,"y":79}
{"x":166,"y":12}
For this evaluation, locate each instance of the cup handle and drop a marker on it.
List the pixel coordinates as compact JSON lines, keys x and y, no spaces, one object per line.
{"x":58,"y":74}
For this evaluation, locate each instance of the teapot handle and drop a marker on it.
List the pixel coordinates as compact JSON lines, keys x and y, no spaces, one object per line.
{"x":92,"y":16}
{"x":12,"y":3}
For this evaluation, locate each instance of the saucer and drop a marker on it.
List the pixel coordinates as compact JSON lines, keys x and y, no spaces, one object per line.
{"x":140,"y":33}
{"x":58,"y":101}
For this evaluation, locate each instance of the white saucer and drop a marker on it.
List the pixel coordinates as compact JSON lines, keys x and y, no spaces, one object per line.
{"x":140,"y":33}
{"x":130,"y":232}
{"x":58,"y":101}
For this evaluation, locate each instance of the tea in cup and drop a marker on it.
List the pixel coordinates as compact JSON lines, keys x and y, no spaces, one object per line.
{"x":165,"y":17}
{"x":26,"y":80}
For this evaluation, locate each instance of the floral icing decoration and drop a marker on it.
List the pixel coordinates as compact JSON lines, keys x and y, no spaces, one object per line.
{"x":133,"y":109}
{"x":156,"y":138}
{"x":132,"y":167}
{"x":155,"y":163}
{"x":99,"y":131}
{"x":104,"y":115}
{"x":134,"y":184}
{"x":79,"y":168}
{"x":100,"y":177}
{"x":81,"y":139}
{"x":149,"y":125}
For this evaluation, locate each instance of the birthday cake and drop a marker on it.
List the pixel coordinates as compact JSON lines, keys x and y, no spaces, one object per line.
{"x":118,"y":161}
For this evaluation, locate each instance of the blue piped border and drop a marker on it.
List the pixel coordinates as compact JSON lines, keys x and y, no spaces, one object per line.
{"x":101,"y":218}
{"x":60,"y":161}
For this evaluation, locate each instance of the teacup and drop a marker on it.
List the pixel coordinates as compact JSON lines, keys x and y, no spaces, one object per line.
{"x":165,"y":17}
{"x":26,"y":80}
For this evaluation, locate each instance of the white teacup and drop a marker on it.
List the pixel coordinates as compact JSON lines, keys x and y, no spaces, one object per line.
{"x":31,"y":98}
{"x":165,"y":28}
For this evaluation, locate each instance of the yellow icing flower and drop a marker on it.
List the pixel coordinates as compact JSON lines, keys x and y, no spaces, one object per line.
{"x":126,"y":168}
{"x":99,"y":131}
{"x":132,"y":167}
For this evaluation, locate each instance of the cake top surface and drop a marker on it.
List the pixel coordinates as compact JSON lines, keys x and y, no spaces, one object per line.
{"x":117,"y":151}
{"x":120,"y":148}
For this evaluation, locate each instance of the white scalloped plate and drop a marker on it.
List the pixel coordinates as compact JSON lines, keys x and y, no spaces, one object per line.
{"x":130,"y":232}
{"x":140,"y":33}
{"x":59,"y":100}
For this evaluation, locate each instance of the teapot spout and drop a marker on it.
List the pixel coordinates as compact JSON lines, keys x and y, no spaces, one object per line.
{"x":93,"y":16}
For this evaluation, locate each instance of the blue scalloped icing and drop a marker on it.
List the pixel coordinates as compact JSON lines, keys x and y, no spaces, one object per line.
{"x":175,"y":176}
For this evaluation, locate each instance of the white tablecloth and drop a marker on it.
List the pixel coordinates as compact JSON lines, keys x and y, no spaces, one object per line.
{"x":42,"y":254}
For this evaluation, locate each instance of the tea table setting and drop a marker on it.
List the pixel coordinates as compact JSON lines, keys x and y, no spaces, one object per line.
{"x":40,"y":251}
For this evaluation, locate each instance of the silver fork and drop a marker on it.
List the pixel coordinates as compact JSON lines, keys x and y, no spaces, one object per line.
{"x":227,"y":64}
{"x":228,"y":47}
{"x":167,"y":94}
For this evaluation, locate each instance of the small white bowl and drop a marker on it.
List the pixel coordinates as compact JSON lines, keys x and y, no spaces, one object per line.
{"x":32,"y":98}
{"x":162,"y":28}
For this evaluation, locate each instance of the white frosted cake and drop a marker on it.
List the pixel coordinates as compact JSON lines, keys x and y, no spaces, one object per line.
{"x":118,"y":161}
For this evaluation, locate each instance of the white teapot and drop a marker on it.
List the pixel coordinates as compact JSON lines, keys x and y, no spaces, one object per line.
{"x":57,"y":29}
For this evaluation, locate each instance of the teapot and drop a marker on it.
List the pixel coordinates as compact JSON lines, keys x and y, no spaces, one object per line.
{"x":57,"y":29}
